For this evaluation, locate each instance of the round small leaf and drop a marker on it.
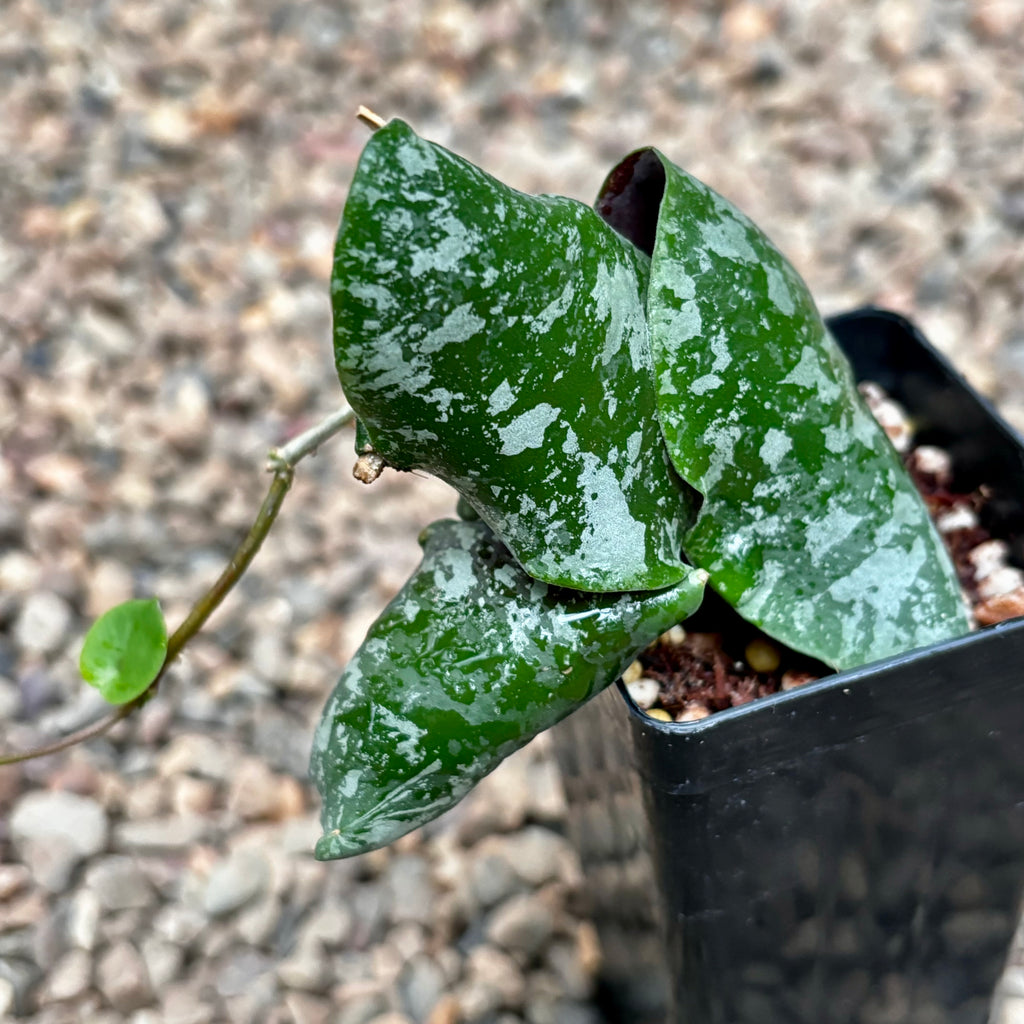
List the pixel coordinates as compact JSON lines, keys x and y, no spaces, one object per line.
{"x":124,"y":650}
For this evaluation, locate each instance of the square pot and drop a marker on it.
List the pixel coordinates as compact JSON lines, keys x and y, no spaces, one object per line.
{"x":850,"y":851}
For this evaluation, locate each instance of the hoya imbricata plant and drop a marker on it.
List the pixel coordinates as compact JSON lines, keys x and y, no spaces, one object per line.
{"x":634,"y":401}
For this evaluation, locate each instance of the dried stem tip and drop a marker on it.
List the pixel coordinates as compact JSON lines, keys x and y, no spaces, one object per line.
{"x":368,"y":467}
{"x":368,"y":117}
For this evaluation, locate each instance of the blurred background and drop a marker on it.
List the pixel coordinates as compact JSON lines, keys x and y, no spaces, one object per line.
{"x":171,"y":177}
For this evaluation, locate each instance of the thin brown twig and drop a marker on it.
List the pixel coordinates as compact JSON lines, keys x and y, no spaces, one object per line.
{"x":368,"y":117}
{"x":89,"y":731}
{"x":282,"y":463}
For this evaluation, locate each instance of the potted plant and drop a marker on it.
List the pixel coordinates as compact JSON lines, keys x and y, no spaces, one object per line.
{"x":480,"y":335}
{"x":636,"y":402}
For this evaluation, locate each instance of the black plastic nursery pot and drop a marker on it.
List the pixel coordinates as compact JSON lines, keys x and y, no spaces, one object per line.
{"x":849,"y":851}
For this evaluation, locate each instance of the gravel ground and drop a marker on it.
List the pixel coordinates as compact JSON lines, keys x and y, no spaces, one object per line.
{"x":171,"y":175}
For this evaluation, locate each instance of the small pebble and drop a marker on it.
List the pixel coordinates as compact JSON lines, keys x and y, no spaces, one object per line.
{"x":693,"y":712}
{"x":68,"y":978}
{"x":44,"y":622}
{"x":1001,"y":581}
{"x":522,"y":924}
{"x":236,"y":881}
{"x":1000,"y":608}
{"x":53,"y":831}
{"x":791,"y":680}
{"x":988,"y":557}
{"x":659,"y":714}
{"x":634,"y":671}
{"x":762,"y":656}
{"x":644,"y":692}
{"x":960,"y":518}
{"x":889,"y":415}
{"x":122,"y":978}
{"x":934,"y":462}
{"x":8,"y":994}
{"x":674,"y":637}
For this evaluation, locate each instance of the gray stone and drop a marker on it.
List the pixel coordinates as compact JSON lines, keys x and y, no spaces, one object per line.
{"x":257,"y":923}
{"x":17,"y":945}
{"x":496,"y":970}
{"x":198,"y":754}
{"x":163,"y":960}
{"x":492,"y":878}
{"x":10,"y":700}
{"x":68,"y":978}
{"x":14,"y":878}
{"x":270,"y":657}
{"x":119,"y":884}
{"x":477,"y":1000}
{"x":522,"y":924}
{"x":970,"y":930}
{"x":274,"y":733}
{"x":159,"y":835}
{"x":43,"y":625}
{"x":561,"y":1011}
{"x":370,"y":912}
{"x":412,"y":894}
{"x":179,"y":924}
{"x":1011,"y":1012}
{"x":331,"y":925}
{"x":239,"y":879}
{"x":185,"y":1003}
{"x":307,"y":1009}
{"x":53,"y":831}
{"x":306,"y":968}
{"x":122,"y":979}
{"x":7,"y":997}
{"x":84,"y":919}
{"x":20,"y":976}
{"x":362,"y":1009}
{"x":537,"y":854}
{"x":420,"y":985}
{"x":45,"y":816}
{"x":240,"y":971}
{"x":565,"y":964}
{"x":1012,"y":982}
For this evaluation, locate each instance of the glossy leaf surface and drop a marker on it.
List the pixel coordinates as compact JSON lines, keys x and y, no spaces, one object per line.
{"x":498,"y":341}
{"x":124,"y":650}
{"x":470,"y":660}
{"x":811,"y":528}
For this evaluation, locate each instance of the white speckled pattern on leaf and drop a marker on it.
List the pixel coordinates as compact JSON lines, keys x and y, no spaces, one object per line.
{"x":470,"y":660}
{"x":498,"y":341}
{"x":811,"y":527}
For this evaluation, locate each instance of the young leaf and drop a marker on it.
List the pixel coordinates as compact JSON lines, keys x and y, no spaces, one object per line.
{"x":498,"y":341}
{"x":467,"y":663}
{"x":811,"y":528}
{"x":124,"y":650}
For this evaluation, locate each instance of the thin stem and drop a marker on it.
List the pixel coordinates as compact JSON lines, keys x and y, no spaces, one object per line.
{"x":299,"y":447}
{"x":93,"y":729}
{"x":240,"y":561}
{"x":282,"y":462}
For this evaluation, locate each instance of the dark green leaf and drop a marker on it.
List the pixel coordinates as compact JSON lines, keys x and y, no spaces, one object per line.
{"x":468,"y":662}
{"x":363,"y":443}
{"x":498,"y":341}
{"x":125,"y":650}
{"x":811,"y":528}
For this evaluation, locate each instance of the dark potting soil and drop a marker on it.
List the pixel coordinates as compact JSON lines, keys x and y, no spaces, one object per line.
{"x":720,"y":661}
